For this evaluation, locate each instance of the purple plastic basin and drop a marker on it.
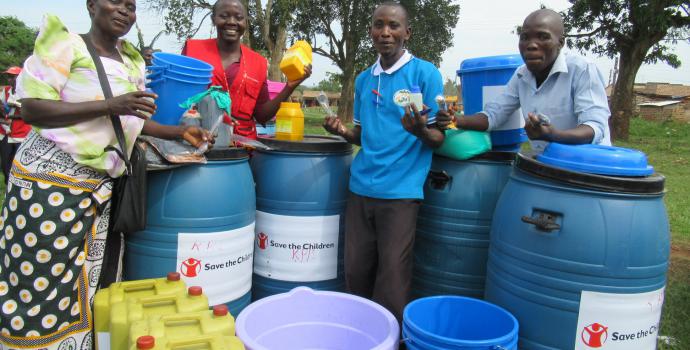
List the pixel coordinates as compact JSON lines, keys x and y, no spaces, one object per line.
{"x":306,"y":319}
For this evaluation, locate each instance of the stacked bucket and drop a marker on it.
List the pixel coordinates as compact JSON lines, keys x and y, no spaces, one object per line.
{"x":174,"y":78}
{"x":161,"y":313}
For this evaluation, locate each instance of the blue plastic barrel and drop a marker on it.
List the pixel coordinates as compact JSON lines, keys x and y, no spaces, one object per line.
{"x":455,"y":322}
{"x":487,"y":76}
{"x":301,"y":191}
{"x":200,"y":222}
{"x":580,"y":259}
{"x":452,"y":240}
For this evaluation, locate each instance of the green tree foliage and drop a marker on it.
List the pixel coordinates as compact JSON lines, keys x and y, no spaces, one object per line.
{"x":338,"y":30}
{"x":266,"y":24}
{"x":450,"y":88}
{"x":16,"y":43}
{"x":331,"y":83}
{"x":636,"y":32}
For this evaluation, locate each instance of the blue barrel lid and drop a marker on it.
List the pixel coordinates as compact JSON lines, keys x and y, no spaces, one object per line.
{"x":490,"y":63}
{"x":597,"y":159}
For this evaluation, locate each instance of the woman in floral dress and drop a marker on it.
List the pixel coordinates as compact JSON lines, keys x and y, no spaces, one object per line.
{"x":54,"y":222}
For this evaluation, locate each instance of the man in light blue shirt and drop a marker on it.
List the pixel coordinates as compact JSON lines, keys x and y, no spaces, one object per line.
{"x":566,"y":88}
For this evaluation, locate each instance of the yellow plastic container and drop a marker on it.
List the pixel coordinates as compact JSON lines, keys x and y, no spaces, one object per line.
{"x":200,"y":342}
{"x":290,"y":122}
{"x":124,"y":313}
{"x":295,"y":60}
{"x":182,"y":326}
{"x":129,"y":291}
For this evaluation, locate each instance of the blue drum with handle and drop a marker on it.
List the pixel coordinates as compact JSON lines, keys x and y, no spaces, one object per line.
{"x":580,"y":248}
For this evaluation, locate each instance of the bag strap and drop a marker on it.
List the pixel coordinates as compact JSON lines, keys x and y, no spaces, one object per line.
{"x":107,"y":93}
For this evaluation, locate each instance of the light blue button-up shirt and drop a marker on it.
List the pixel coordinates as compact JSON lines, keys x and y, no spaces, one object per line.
{"x":573,"y":94}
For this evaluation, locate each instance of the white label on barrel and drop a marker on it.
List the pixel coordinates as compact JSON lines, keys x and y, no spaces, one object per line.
{"x":219,"y":262}
{"x":610,"y":321}
{"x":515,"y":121}
{"x":296,"y":248}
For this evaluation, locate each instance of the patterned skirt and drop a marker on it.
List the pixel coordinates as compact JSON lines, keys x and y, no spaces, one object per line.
{"x":53,"y":231}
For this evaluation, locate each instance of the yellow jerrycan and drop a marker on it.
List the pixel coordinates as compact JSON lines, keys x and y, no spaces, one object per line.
{"x":130,"y":290}
{"x":295,"y":60}
{"x":198,"y":342}
{"x":124,"y":313}
{"x":182,"y":326}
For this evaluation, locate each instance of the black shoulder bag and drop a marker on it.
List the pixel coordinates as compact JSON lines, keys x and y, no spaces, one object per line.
{"x":128,"y":203}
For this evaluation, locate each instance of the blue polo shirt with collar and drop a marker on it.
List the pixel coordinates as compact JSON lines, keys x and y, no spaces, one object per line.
{"x":573,"y":93}
{"x":392,"y":163}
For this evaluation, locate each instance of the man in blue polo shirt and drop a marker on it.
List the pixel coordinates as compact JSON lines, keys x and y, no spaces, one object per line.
{"x":389,"y":171}
{"x":566,"y":88}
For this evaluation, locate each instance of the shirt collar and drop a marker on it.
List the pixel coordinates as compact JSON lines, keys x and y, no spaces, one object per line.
{"x":559,"y":66}
{"x":377,"y":69}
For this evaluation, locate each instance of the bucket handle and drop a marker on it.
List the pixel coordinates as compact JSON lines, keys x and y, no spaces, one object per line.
{"x":154,"y":82}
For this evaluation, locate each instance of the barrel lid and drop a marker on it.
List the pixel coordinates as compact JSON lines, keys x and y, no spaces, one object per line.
{"x":653,"y":184}
{"x":310,"y":144}
{"x":226,"y":153}
{"x":490,"y":63}
{"x":597,"y":159}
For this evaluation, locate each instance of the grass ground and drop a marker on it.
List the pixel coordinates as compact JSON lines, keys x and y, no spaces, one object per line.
{"x":667,"y":146}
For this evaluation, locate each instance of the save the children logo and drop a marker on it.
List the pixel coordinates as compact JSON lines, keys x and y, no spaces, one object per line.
{"x":595,"y":335}
{"x":262,"y":240}
{"x":190,"y":267}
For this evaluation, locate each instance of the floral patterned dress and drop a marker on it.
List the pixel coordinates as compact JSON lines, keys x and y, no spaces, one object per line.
{"x":54,"y":222}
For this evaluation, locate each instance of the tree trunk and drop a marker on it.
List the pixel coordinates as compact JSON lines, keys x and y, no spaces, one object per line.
{"x":345,"y":111}
{"x":274,"y":72}
{"x":623,"y":99}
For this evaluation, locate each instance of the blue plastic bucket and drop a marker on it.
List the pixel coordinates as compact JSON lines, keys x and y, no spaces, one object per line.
{"x":200,"y":223}
{"x":301,"y":191}
{"x":455,"y":322}
{"x":486,"y":77}
{"x":452,"y":241}
{"x":307,"y":319}
{"x":171,"y":92}
{"x":181,"y":64}
{"x":578,"y":257}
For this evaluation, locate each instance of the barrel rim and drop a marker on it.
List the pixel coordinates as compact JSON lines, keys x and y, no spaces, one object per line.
{"x":329,"y":144}
{"x":653,"y":184}
{"x":226,"y":153}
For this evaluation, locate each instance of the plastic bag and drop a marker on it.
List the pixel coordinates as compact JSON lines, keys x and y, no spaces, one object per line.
{"x":464,"y":144}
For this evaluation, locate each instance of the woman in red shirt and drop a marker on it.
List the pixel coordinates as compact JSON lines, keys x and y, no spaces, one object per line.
{"x":238,"y":69}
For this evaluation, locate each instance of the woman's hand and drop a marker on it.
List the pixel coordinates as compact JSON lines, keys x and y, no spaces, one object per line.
{"x":295,"y":83}
{"x":138,"y":103}
{"x":196,"y":136}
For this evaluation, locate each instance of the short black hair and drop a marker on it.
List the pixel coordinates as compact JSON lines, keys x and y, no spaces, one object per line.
{"x":390,"y":3}
{"x":215,"y":4}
